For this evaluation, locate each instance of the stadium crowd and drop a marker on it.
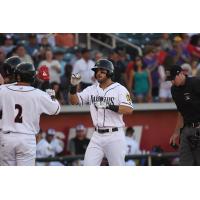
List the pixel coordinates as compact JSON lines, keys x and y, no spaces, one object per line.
{"x":144,"y":76}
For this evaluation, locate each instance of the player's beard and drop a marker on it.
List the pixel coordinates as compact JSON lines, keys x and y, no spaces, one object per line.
{"x":102,"y":80}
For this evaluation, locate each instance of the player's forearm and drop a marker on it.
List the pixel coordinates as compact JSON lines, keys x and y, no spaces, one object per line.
{"x":73,"y":98}
{"x":125,"y":110}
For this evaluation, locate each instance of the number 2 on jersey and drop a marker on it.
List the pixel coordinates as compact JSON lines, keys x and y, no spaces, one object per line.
{"x":18,"y":118}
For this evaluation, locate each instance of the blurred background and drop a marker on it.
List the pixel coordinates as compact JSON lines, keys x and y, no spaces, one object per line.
{"x":140,"y":60}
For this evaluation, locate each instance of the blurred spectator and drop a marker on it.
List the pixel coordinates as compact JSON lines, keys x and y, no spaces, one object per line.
{"x":140,"y":82}
{"x":21,"y":52}
{"x":83,"y":66}
{"x":132,"y":146}
{"x":32,"y":46}
{"x":129,"y":68}
{"x":119,"y":67}
{"x":152,"y":63}
{"x":8,"y":44}
{"x":48,"y":39}
{"x":193,"y":46}
{"x":98,"y":55}
{"x":77,"y":56}
{"x":65,"y":82}
{"x":165,"y":86}
{"x":78,"y":145}
{"x":53,"y":65}
{"x":59,"y":96}
{"x":194,"y":66}
{"x":165,"y":42}
{"x":59,"y":56}
{"x":43,"y":148}
{"x":179,"y":52}
{"x":185,"y":39}
{"x":56,"y":144}
{"x":64,"y":40}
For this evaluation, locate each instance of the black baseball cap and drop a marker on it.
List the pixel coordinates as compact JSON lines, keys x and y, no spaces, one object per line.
{"x":172,"y":72}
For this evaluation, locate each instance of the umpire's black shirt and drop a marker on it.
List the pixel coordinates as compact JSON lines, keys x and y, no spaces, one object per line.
{"x":187,"y":99}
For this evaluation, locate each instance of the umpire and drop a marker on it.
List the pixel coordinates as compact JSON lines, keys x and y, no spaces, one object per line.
{"x":186,"y":95}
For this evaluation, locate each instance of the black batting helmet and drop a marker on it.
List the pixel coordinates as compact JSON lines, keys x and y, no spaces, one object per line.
{"x":26,"y":72}
{"x":10,"y":65}
{"x":104,"y":64}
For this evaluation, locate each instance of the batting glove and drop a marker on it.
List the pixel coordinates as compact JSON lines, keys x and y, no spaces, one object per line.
{"x":51,"y":93}
{"x":75,"y":79}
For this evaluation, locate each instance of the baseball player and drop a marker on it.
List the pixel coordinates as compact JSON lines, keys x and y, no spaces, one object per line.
{"x":9,"y":67}
{"x":108,"y":102}
{"x":23,"y":105}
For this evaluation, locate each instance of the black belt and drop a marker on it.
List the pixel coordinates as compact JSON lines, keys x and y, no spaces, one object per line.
{"x":106,"y":130}
{"x":193,"y":125}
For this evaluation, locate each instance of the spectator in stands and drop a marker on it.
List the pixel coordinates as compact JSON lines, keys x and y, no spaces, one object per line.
{"x":59,"y":56}
{"x":129,"y":68}
{"x":193,"y":46}
{"x":165,"y":86}
{"x":98,"y":55}
{"x":78,"y":145}
{"x":65,"y":82}
{"x":32,"y":47}
{"x":77,"y":55}
{"x":194,"y":66}
{"x":53,"y":65}
{"x":120,"y":68}
{"x":43,"y":149}
{"x":56,"y":144}
{"x":179,"y":52}
{"x":21,"y":52}
{"x":165,"y":41}
{"x":132,"y":146}
{"x":83,"y":66}
{"x":8,"y":45}
{"x":140,"y":82}
{"x":185,"y":39}
{"x":59,"y":96}
{"x":65,"y":40}
{"x":47,"y":39}
{"x":152,"y":63}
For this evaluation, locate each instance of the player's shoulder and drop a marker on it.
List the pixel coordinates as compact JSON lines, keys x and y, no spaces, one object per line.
{"x":120,"y":87}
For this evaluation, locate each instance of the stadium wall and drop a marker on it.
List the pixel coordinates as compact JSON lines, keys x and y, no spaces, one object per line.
{"x":156,"y":120}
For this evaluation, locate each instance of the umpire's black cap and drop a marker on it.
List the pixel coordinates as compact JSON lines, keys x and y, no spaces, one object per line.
{"x":172,"y":72}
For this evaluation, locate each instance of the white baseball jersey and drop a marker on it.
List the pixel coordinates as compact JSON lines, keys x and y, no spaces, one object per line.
{"x":115,"y":94}
{"x":132,"y":146}
{"x":22,"y":107}
{"x":4,"y":85}
{"x":44,"y":149}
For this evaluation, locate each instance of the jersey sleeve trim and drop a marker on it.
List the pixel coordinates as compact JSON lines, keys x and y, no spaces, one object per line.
{"x":127,"y":104}
{"x":57,"y":110}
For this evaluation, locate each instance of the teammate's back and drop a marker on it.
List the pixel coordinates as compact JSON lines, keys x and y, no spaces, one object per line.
{"x":22,"y":107}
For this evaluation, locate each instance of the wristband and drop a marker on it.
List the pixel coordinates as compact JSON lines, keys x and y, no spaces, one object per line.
{"x":73,"y":89}
{"x":113,"y":108}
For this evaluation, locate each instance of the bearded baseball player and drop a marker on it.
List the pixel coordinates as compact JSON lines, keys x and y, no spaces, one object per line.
{"x":23,"y":104}
{"x":108,"y":102}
